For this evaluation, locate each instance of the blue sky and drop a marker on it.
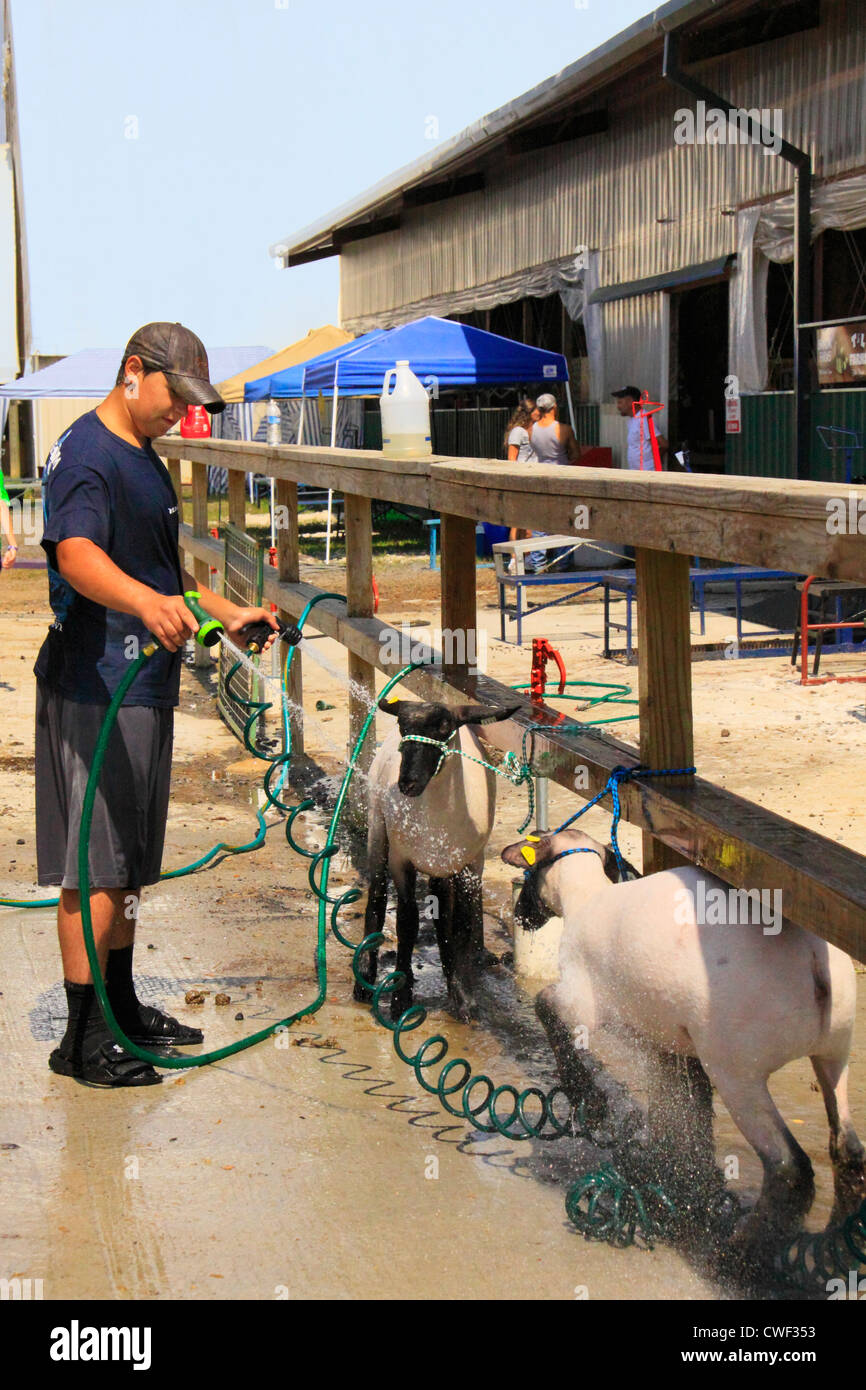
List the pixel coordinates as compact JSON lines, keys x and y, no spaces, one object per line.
{"x":165,"y":146}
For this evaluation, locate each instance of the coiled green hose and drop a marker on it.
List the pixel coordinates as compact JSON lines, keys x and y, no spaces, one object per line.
{"x":155,"y":1058}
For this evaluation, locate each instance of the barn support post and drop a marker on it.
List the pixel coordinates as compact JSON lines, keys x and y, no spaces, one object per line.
{"x":362,"y":675}
{"x":289,"y":572}
{"x":664,"y":678}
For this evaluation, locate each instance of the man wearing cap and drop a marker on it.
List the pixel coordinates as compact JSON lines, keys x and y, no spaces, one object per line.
{"x":639,"y":452}
{"x":115,"y":577}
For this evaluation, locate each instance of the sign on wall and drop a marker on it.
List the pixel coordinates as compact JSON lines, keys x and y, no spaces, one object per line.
{"x":842,"y":353}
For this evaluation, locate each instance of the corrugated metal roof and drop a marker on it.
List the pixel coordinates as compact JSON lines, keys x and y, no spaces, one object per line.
{"x":623,"y":50}
{"x":647,"y":205}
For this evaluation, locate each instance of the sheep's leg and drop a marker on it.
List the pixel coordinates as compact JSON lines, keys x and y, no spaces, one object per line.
{"x":443,"y":891}
{"x":466,"y":914}
{"x":374,"y":916}
{"x":846,"y":1151}
{"x":680,"y":1117}
{"x":568,"y":1017}
{"x":454,"y":942}
{"x":472,"y":875}
{"x":789,"y":1185}
{"x":407,"y":934}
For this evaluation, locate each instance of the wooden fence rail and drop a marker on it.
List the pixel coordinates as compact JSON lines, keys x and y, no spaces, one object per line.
{"x":778,"y":524}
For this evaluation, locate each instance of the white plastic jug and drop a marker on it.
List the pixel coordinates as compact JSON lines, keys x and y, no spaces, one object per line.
{"x":405,"y":415}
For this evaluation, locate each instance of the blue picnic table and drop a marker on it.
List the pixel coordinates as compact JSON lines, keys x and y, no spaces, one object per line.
{"x":624,"y":581}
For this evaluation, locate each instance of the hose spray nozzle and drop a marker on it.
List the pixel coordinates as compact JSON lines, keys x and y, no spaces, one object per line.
{"x":210,"y":630}
{"x":255,"y":635}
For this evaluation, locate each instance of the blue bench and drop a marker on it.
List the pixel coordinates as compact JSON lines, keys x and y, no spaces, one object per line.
{"x":624,"y":581}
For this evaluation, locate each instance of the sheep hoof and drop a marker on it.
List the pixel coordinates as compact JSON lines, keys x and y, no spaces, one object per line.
{"x":400,"y":1002}
{"x":462,"y":1003}
{"x":362,"y":993}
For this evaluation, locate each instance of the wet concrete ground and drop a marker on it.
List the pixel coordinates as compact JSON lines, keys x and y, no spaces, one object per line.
{"x":325,"y":1171}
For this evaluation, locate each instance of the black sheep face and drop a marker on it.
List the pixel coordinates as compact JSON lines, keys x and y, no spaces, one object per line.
{"x":419,"y":762}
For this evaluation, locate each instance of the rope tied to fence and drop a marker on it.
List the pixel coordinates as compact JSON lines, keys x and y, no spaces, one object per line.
{"x":622,"y":774}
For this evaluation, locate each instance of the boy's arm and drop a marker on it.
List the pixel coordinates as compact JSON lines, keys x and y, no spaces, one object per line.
{"x":85,"y":566}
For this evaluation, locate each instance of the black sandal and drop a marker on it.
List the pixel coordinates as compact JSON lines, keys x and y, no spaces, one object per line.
{"x":156,"y":1027}
{"x":108,"y":1065}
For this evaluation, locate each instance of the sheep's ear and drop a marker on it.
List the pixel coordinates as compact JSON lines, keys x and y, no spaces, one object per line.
{"x":530,"y":853}
{"x":483,"y":714}
{"x":391,"y":705}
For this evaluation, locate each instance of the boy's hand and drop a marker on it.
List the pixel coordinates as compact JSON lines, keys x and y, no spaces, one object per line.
{"x":242,"y":617}
{"x":169,"y":619}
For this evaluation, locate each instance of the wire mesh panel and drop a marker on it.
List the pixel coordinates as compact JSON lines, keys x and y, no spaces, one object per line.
{"x":244,"y":567}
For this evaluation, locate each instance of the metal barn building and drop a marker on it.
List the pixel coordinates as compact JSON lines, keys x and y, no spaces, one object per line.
{"x":610,"y":215}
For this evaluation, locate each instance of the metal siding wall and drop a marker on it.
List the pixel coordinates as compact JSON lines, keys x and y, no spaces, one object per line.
{"x":607,"y":191}
{"x":765,"y":446}
{"x":635,"y":346}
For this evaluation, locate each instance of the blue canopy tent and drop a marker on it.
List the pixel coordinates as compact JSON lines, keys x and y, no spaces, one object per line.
{"x":292,"y":382}
{"x":452,"y":353}
{"x":440,"y":352}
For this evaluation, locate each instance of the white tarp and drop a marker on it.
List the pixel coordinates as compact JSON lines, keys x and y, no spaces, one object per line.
{"x":764,"y":234}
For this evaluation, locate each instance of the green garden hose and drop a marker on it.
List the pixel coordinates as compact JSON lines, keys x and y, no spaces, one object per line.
{"x":159,"y":1059}
{"x":617,"y":695}
{"x":211,"y":629}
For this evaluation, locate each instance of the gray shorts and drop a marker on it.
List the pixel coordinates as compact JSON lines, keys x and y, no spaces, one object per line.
{"x":131,"y":806}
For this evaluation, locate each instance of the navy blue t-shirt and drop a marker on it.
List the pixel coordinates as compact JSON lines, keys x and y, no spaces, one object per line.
{"x":121,"y":498}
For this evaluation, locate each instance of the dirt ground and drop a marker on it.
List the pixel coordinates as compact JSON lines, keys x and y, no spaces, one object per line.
{"x":314,"y":1165}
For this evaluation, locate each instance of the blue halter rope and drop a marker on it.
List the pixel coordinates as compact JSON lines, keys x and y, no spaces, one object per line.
{"x":620,"y":774}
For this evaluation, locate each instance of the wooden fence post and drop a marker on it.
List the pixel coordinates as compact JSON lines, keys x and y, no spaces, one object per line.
{"x":173,"y":466}
{"x":238,"y":498}
{"x":289,"y":572}
{"x":458,"y":601}
{"x":362,"y":675}
{"x":200,"y":568}
{"x":664,"y":678}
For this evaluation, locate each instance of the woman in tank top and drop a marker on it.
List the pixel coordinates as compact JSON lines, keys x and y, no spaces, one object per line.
{"x":518,"y":449}
{"x":551,"y":441}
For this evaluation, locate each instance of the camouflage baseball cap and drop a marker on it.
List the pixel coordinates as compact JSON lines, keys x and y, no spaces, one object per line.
{"x":176,"y":351}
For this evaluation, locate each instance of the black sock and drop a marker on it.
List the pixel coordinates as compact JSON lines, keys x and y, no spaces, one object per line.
{"x":85,"y":1026}
{"x":120,"y":988}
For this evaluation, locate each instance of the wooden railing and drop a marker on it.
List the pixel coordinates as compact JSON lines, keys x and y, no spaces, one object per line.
{"x":777,"y":524}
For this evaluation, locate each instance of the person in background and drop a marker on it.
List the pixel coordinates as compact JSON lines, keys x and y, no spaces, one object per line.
{"x":639,"y":453}
{"x":11,"y":553}
{"x":552,"y":442}
{"x":518,"y":449}
{"x":518,"y":445}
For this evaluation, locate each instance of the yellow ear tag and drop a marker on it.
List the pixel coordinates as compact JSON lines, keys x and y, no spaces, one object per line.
{"x":534,"y":838}
{"x":528,"y":853}
{"x":392,"y":699}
